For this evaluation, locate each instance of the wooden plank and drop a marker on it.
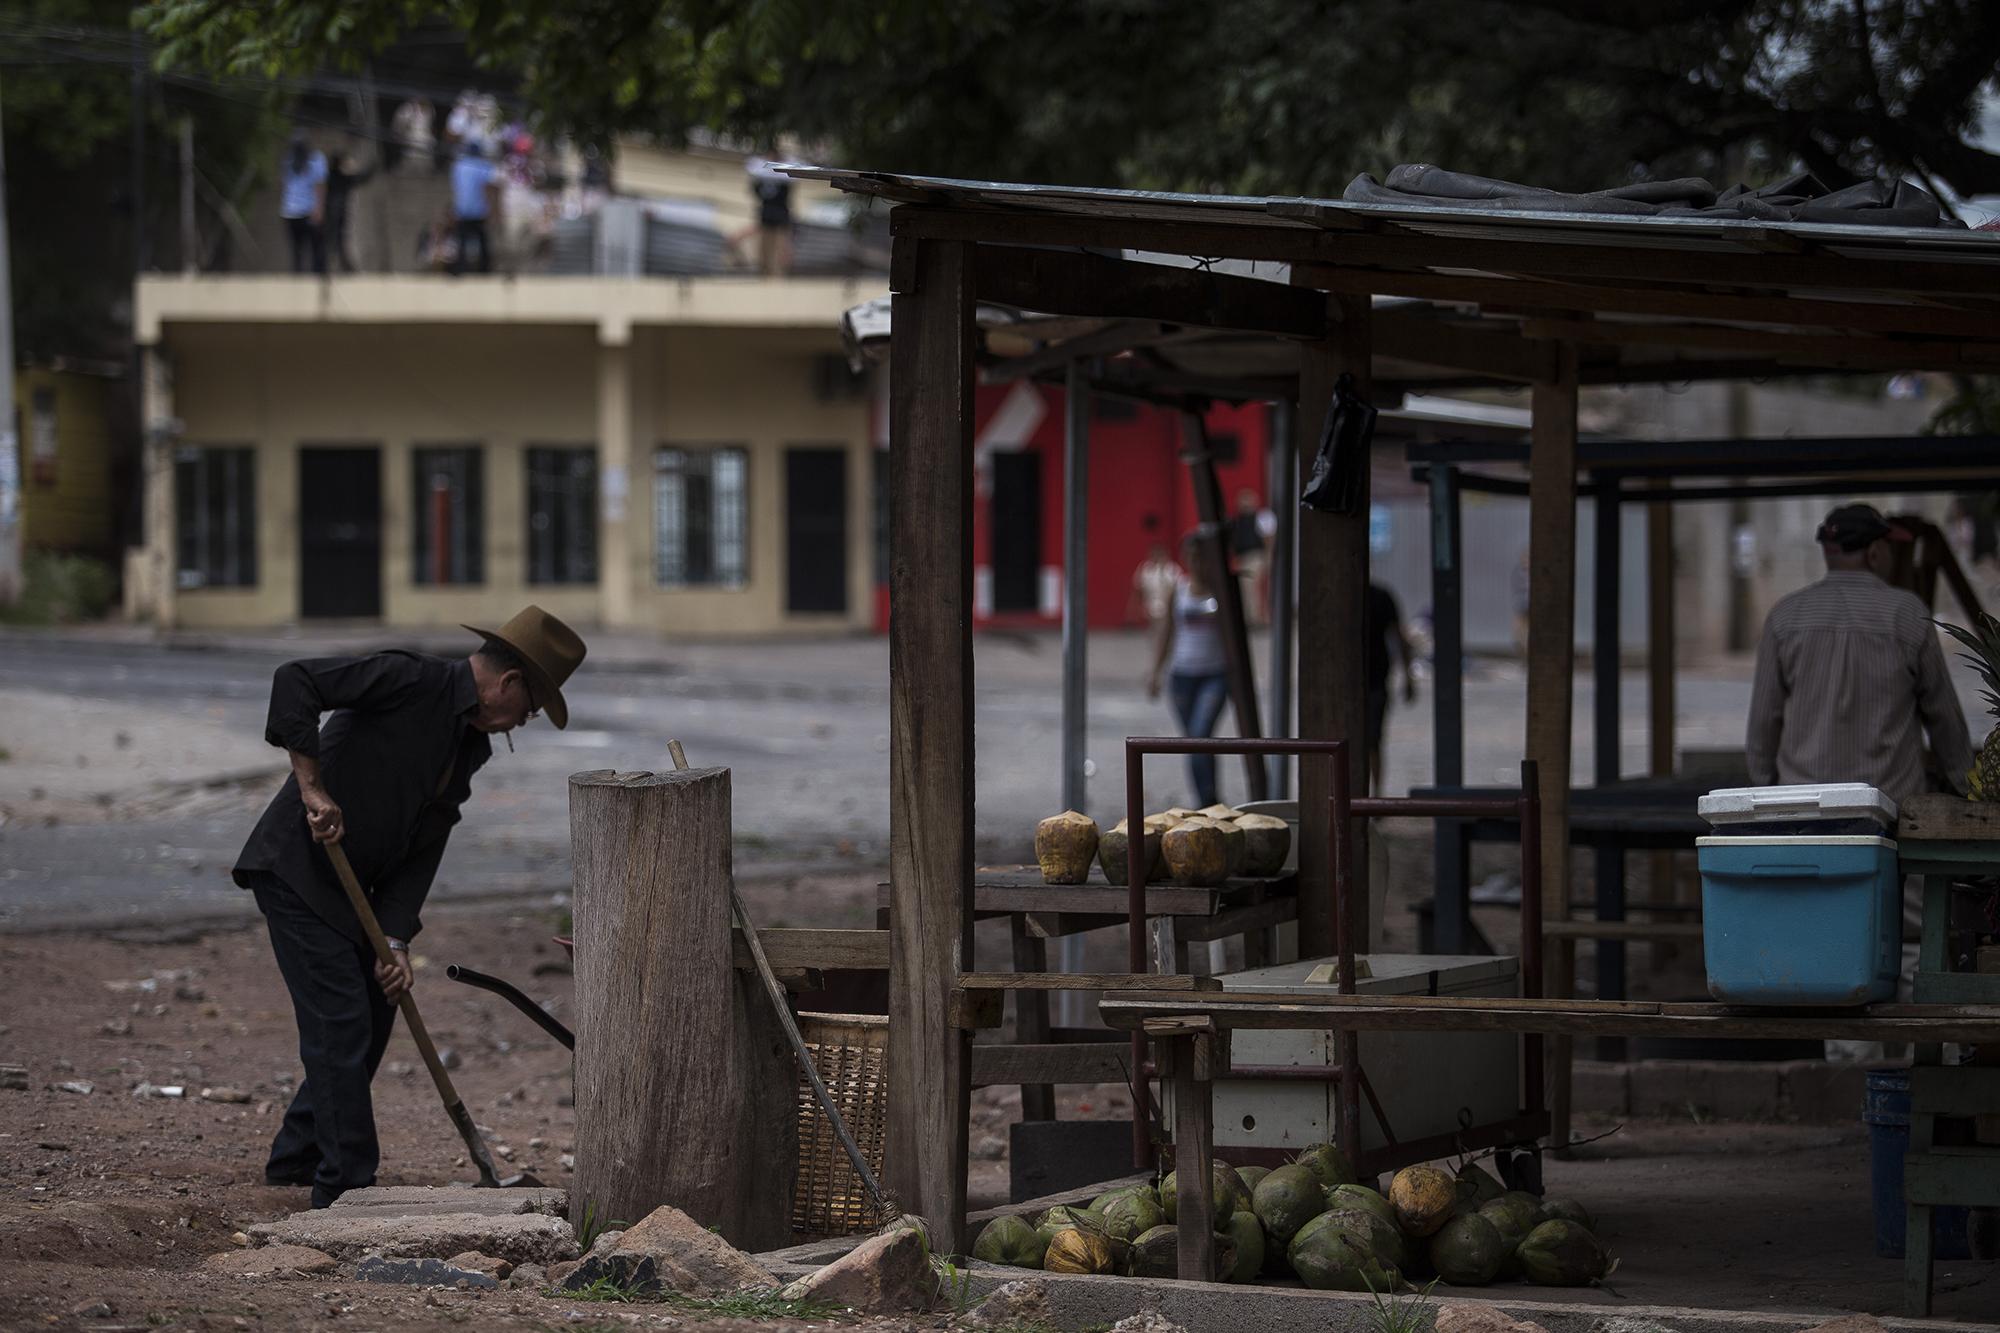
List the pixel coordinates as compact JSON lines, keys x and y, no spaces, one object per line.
{"x":1518,"y":295}
{"x":1031,"y":1015}
{"x":1956,"y":988}
{"x":1435,"y":342}
{"x":1818,"y":348}
{"x":975,"y":1010}
{"x":1939,"y":1177}
{"x":1194,"y":1153}
{"x":1621,"y":930}
{"x":823,"y":950}
{"x":1955,"y":1090}
{"x":1085,"y":981}
{"x":1936,"y":817}
{"x":1552,"y":674}
{"x":1052,"y":1062}
{"x":1067,"y":282}
{"x":1365,"y":1013}
{"x":1233,"y":921}
{"x":930,"y":731}
{"x":1660,"y":685}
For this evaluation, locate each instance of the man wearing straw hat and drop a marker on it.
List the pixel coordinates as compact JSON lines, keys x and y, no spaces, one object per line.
{"x":385,"y":778}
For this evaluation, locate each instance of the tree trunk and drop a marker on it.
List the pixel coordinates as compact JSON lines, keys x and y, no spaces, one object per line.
{"x":685,"y":1089}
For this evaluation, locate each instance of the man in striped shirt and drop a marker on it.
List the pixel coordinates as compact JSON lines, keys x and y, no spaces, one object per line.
{"x":1850,"y":675}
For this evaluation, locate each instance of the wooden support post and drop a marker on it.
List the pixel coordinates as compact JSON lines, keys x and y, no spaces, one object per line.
{"x":1451,"y":912}
{"x":1333,"y":598}
{"x":619,"y":458}
{"x":698,"y":1121}
{"x":1031,"y":1015}
{"x":1607,"y":861}
{"x":1551,"y":675}
{"x":1191,"y":1058}
{"x":930,"y":730}
{"x":1660,"y":703}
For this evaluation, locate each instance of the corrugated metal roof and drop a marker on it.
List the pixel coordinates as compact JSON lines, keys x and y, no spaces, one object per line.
{"x":1277,"y":212}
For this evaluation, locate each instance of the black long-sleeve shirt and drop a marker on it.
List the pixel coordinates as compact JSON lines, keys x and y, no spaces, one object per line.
{"x":397,"y":756}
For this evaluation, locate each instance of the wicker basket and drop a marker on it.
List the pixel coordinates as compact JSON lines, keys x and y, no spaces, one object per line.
{"x":851,"y":1053}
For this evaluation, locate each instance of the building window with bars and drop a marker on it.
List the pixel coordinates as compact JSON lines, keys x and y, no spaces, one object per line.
{"x":701,"y":517}
{"x":215,"y":517}
{"x":562,"y":514}
{"x":447,"y":515}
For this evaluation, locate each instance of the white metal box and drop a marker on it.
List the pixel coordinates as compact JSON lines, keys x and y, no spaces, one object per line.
{"x":1427,"y":1082}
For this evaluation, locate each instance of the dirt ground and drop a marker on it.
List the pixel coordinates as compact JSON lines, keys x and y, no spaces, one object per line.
{"x":109,"y":1201}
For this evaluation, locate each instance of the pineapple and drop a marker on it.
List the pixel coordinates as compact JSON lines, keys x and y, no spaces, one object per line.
{"x":1982,"y":650}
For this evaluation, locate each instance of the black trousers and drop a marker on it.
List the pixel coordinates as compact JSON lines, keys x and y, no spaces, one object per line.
{"x":308,"y":245}
{"x":471,"y":234}
{"x":328,"y":1136}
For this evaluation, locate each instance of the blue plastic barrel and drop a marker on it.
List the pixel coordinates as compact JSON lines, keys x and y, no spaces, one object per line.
{"x":1887,"y":1114}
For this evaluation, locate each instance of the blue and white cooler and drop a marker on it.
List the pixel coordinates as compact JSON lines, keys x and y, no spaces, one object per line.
{"x":1800,"y":896}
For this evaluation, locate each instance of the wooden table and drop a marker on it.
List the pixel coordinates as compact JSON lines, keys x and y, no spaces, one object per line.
{"x":1248,"y":908}
{"x":1942,"y":839}
{"x":1190,"y":1031}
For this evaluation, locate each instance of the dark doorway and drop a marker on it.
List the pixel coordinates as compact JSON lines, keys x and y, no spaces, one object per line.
{"x":816,"y":530}
{"x":340,"y":532}
{"x":1017,"y":531}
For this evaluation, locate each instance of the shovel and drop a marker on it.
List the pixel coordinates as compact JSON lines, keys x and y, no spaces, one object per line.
{"x":461,"y":1119}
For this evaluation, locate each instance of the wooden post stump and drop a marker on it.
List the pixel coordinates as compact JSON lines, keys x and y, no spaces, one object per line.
{"x":686,"y":1093}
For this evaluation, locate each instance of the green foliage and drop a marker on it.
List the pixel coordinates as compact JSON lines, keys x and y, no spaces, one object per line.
{"x":1402,"y":1314}
{"x":592,"y":1226}
{"x":750,"y":1305}
{"x":603,"y":1289}
{"x":61,"y":590}
{"x":1260,"y":95}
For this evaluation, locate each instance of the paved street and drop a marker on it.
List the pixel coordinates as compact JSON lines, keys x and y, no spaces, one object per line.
{"x":131,"y":770}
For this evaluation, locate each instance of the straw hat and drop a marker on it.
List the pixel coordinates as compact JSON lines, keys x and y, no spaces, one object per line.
{"x":549,"y":651}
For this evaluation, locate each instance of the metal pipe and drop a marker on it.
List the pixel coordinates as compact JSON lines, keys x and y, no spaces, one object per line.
{"x":1340,"y":867}
{"x":1531,"y":922}
{"x":1075,"y":639}
{"x":1135,"y":952}
{"x":508,"y":992}
{"x":1283,"y":579}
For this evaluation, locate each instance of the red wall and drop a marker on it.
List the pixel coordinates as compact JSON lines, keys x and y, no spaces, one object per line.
{"x":1135,"y":470}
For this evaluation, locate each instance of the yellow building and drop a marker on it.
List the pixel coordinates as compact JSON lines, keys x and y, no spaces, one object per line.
{"x":689,"y":455}
{"x":64,"y":416}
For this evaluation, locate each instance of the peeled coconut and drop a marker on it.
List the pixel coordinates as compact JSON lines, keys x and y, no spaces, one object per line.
{"x":1074,"y":1250}
{"x":1267,"y":840}
{"x":1468,"y":1251}
{"x":1217,"y":811}
{"x":1234,"y":843}
{"x":1423,"y":1197}
{"x":1195,"y":852}
{"x":1065,"y":845}
{"x":1112,"y":847}
{"x":1011,"y":1241}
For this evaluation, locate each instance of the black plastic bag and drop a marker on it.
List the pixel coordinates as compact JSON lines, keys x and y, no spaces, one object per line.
{"x":1341,"y":466}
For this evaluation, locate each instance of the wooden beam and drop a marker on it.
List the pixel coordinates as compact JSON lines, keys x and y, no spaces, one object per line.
{"x":1437,"y":342}
{"x":1069,"y":282}
{"x":1818,"y":348}
{"x":1301,"y":245}
{"x":930,"y":731}
{"x":821,"y":950}
{"x":1509,"y":295}
{"x":1660,"y":684}
{"x":1551,"y":670}
{"x":1084,"y":981}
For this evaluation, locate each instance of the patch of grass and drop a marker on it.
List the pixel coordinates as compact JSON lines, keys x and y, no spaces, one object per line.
{"x":751,"y":1305}
{"x":1401,"y":1314}
{"x":592,"y":1226}
{"x":604,"y":1289}
{"x":61,"y":589}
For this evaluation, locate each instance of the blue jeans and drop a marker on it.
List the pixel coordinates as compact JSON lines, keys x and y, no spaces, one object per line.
{"x":1198,"y":703}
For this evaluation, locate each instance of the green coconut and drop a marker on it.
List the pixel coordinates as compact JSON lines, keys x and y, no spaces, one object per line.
{"x":1514,"y":1217}
{"x":1468,"y":1250}
{"x":1330,"y":1254}
{"x":1104,"y":1200}
{"x":1286,"y":1200}
{"x":1250,"y":1175}
{"x":1483,"y":1186}
{"x":1563,"y":1254}
{"x":1527,"y":1200}
{"x":1362,"y":1198}
{"x":1384,"y":1240}
{"x":1061,"y":1218}
{"x":1568,"y":1210}
{"x":1246,"y":1234}
{"x":1329,"y":1163}
{"x":1226,"y":1194}
{"x":1126,"y":1216}
{"x":1010,"y":1240}
{"x":1156,"y":1253}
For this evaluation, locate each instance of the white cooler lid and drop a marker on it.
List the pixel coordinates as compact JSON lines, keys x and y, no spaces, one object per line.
{"x":1809,"y":800}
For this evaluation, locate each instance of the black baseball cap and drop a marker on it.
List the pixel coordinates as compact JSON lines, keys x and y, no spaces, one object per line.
{"x":1853,"y":527}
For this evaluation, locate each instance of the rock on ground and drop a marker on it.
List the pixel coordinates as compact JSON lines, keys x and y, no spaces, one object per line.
{"x":426,"y":1228}
{"x":668,"y":1250}
{"x":476,"y":1262}
{"x":1147,"y":1321}
{"x":1849,"y":1323}
{"x":1474,"y":1317}
{"x":885,"y":1274}
{"x":1012,"y":1304}
{"x":411,"y":1200}
{"x":422,"y":1273}
{"x":271,"y":1261}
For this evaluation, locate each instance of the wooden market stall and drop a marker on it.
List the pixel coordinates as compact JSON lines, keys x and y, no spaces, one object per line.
{"x":1550,"y":301}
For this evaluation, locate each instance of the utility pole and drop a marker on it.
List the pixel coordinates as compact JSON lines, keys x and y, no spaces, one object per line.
{"x":139,"y":247}
{"x":190,"y":243}
{"x":10,"y":449}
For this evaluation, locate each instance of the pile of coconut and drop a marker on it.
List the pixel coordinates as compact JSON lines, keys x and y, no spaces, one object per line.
{"x":1312,"y":1220}
{"x":1192,"y":847}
